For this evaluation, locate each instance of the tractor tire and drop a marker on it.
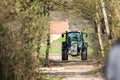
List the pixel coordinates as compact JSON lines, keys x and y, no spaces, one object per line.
{"x":64,"y":52}
{"x":84,"y":54}
{"x":64,"y":55}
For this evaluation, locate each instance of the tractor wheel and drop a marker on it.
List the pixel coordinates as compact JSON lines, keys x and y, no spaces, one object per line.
{"x":84,"y":54}
{"x":64,"y":53}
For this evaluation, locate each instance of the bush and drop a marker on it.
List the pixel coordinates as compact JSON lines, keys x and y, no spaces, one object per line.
{"x":20,"y":38}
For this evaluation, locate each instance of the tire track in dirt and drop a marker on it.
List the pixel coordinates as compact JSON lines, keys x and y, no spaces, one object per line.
{"x":73,"y":69}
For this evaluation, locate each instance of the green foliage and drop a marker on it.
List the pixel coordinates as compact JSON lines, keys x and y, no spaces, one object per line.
{"x":113,"y":10}
{"x":55,"y":46}
{"x":23,"y":26}
{"x":95,"y":71}
{"x":51,"y":78}
{"x":84,"y":8}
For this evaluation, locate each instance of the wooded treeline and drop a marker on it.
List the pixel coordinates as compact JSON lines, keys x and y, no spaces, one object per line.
{"x":24,"y":25}
{"x":104,"y":14}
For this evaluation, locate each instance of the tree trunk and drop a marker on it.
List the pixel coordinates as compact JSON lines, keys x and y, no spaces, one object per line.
{"x":105,"y":18}
{"x":97,"y":20}
{"x":48,"y":46}
{"x":47,"y":50}
{"x":106,"y":23}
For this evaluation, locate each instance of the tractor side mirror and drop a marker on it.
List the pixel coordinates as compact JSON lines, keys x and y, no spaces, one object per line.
{"x":62,"y":35}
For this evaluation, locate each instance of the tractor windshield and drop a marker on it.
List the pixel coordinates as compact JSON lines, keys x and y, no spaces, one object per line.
{"x":74,"y":36}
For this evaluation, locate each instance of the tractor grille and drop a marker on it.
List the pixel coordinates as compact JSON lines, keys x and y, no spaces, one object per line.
{"x":73,"y":48}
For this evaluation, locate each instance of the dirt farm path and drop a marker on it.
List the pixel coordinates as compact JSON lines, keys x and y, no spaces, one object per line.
{"x":70,"y":70}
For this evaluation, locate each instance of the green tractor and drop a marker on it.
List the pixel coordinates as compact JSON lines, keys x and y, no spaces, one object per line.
{"x":74,"y":45}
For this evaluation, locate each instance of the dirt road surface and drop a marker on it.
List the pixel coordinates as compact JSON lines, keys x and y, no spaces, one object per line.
{"x":73,"y":69}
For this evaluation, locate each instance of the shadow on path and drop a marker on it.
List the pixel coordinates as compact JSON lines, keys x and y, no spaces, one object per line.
{"x":56,"y":63}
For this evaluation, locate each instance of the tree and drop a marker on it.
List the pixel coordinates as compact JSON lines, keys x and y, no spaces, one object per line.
{"x":90,"y":10}
{"x":97,"y":21}
{"x":22,"y":25}
{"x":105,"y":18}
{"x":114,"y":14}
